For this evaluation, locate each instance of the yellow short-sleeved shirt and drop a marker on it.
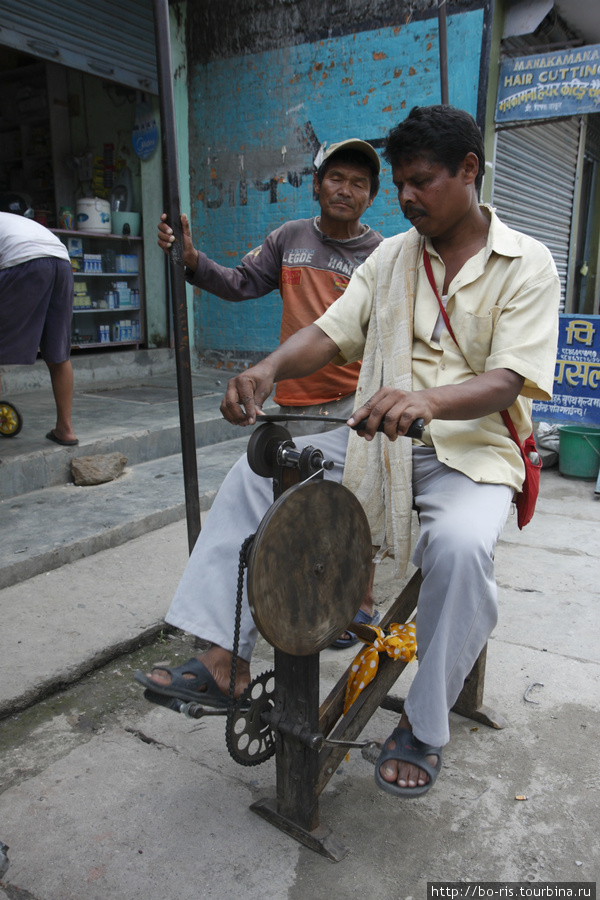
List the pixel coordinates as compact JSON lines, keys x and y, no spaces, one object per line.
{"x":503,"y":309}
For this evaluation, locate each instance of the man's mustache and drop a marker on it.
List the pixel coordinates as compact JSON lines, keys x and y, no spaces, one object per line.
{"x":410,"y":212}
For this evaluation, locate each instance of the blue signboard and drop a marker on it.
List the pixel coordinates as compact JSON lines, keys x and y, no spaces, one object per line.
{"x":563,"y":83}
{"x":577,"y":376}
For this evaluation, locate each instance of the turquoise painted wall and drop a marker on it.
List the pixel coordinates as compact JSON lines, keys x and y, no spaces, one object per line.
{"x":255,"y":121}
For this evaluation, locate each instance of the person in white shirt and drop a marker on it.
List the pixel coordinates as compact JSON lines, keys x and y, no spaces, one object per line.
{"x":36,"y":308}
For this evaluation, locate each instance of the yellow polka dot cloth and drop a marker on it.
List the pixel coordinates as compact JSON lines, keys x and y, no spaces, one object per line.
{"x":399,"y":643}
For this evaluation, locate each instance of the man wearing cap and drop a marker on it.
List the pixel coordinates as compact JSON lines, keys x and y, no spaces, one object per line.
{"x":310,"y":262}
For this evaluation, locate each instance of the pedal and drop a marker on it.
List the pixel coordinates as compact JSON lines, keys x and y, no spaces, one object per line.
{"x":372,"y":752}
{"x":187,"y":707}
{"x":369,"y":750}
{"x":161,"y":700}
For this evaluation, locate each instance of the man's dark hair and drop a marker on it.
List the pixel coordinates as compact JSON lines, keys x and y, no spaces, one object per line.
{"x":351,"y":158}
{"x":444,"y":134}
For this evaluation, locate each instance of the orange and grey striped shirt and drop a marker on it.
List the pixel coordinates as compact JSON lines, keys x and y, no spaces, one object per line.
{"x":311,"y":270}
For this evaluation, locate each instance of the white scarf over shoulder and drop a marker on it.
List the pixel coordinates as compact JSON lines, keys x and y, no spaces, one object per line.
{"x":379,"y":472}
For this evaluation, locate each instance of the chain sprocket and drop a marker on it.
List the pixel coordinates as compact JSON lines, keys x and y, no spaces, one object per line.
{"x":250,"y":740}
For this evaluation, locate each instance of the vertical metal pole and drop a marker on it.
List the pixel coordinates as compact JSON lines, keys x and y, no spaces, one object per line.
{"x":176,"y":271}
{"x":443,"y":44}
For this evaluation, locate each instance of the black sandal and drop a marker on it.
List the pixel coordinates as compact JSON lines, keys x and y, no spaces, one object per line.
{"x":411,"y":750}
{"x":202,"y":688}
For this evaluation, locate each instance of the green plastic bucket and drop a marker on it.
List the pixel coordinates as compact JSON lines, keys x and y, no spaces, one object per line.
{"x":579,"y":451}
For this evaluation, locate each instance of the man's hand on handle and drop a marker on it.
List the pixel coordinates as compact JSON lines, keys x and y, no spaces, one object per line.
{"x":396,"y":409}
{"x":481,"y":395}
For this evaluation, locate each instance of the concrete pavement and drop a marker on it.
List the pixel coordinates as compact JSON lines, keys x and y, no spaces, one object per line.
{"x":150,"y":805}
{"x":112,"y":798}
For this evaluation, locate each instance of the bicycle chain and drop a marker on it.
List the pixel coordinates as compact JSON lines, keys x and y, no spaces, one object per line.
{"x":243,"y":724}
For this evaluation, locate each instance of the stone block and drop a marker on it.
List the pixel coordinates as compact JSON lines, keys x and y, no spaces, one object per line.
{"x":88,"y":470}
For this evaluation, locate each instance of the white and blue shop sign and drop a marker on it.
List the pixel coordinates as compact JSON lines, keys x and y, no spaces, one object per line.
{"x":576,"y":397}
{"x":563,"y":83}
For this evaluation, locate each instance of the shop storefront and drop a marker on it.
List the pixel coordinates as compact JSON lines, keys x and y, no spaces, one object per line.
{"x":546,"y":160}
{"x":547,"y":148}
{"x":78,"y":141}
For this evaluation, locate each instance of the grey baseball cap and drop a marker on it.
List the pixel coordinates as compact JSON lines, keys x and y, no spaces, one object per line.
{"x":351,"y":144}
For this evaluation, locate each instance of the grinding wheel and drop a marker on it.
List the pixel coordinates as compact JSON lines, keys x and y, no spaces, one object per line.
{"x":262,"y":448}
{"x":309,"y":567}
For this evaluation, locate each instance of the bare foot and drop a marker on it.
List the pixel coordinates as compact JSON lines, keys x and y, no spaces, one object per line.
{"x":218,"y":662}
{"x":402,"y":773}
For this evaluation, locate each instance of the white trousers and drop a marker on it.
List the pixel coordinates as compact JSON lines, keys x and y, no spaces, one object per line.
{"x":461,"y":521}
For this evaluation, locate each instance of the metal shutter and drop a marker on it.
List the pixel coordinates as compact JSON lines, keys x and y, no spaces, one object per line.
{"x":113,"y":39}
{"x":534,"y":184}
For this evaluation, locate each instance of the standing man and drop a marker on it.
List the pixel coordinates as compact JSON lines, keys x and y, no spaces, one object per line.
{"x":36,"y":308}
{"x":310,"y":262}
{"x":501,"y":293}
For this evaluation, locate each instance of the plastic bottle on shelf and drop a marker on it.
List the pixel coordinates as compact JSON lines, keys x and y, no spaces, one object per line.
{"x":67,"y":220}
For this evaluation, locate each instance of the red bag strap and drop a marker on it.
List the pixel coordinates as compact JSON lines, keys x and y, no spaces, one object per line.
{"x":504,"y":413}
{"x":428,"y":269}
{"x":513,"y":431}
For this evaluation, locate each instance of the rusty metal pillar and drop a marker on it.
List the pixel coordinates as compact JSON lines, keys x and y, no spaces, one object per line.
{"x":176,"y":270}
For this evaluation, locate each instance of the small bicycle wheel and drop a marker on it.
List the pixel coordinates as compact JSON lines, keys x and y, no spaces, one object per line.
{"x":11,"y":421}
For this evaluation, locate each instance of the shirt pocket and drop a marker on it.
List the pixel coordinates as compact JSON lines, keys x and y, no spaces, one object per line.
{"x":475,"y":335}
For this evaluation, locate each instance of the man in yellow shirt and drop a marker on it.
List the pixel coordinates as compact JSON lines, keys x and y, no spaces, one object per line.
{"x":500,"y":290}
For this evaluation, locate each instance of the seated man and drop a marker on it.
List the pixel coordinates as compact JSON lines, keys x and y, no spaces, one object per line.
{"x":501,"y":292}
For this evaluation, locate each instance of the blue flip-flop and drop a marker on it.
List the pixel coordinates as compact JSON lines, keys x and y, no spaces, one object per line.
{"x":201,"y":688}
{"x":361,"y":618}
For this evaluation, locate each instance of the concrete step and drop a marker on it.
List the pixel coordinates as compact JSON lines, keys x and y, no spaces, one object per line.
{"x":92,"y":368}
{"x":46,"y":521}
{"x":137,"y":418}
{"x":45,"y":529}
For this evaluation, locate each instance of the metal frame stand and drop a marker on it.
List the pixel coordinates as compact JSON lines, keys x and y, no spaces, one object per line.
{"x":311,"y":741}
{"x":303,"y":771}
